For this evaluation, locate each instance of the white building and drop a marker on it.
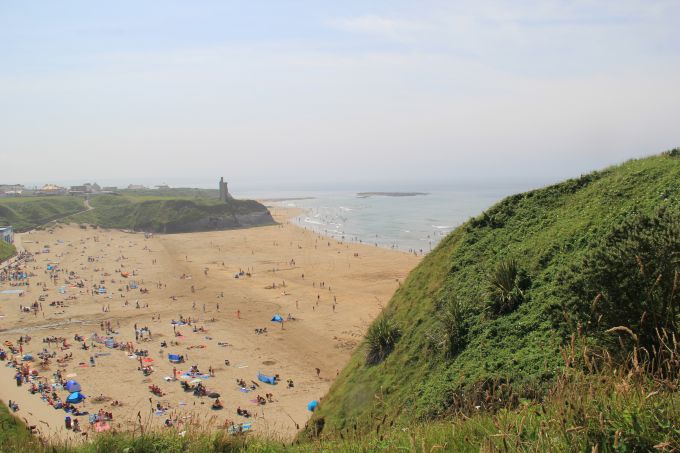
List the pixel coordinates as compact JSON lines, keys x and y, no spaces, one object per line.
{"x":7,"y":234}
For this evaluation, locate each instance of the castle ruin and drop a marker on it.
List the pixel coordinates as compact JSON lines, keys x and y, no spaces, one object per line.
{"x":224,"y":190}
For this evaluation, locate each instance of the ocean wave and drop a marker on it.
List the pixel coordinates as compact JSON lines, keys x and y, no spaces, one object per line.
{"x":313,"y":222}
{"x":442,"y":227}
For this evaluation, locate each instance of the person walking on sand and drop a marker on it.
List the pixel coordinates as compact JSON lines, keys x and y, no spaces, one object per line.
{"x":318,"y":372}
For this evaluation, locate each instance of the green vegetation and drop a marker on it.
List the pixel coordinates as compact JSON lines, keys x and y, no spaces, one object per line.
{"x":25,"y":213}
{"x":507,"y":286}
{"x":451,"y":329}
{"x":14,"y":436}
{"x":634,"y":275}
{"x":381,"y":338}
{"x":165,"y":211}
{"x":6,"y":250}
{"x":178,"y":192}
{"x":156,"y":213}
{"x":492,"y":305}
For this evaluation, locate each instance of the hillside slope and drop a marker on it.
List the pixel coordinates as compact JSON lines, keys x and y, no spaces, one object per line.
{"x":26,"y":213}
{"x":172,"y":214}
{"x":461,"y":337}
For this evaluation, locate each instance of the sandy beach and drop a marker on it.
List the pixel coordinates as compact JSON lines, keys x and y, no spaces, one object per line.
{"x":326,"y":292}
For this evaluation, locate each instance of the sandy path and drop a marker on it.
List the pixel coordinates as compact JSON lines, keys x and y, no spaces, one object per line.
{"x":331,"y":317}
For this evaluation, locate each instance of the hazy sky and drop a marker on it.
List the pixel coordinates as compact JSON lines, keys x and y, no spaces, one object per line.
{"x":319,"y":91}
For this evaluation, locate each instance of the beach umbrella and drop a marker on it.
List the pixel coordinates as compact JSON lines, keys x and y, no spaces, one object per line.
{"x":312,"y":405}
{"x":213,"y":395}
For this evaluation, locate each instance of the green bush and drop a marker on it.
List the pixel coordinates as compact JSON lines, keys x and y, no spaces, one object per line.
{"x":381,"y":338}
{"x":449,"y":335}
{"x":675,"y":152}
{"x":631,"y":279}
{"x":506,"y":287}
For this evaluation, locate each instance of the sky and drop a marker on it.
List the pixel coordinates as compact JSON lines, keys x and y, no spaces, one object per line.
{"x":298,"y":93}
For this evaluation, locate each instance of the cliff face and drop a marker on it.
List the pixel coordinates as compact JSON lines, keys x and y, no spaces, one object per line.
{"x":226,"y":221}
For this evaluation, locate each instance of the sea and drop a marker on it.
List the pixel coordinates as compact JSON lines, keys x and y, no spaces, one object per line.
{"x":408,"y":223}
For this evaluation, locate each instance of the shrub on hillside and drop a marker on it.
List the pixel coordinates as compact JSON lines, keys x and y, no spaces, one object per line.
{"x":381,"y":338}
{"x":449,"y":335}
{"x":506,"y":289}
{"x":631,"y":279}
{"x":675,"y":152}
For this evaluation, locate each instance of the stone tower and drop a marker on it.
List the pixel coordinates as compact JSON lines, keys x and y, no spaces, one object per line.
{"x":224,"y":190}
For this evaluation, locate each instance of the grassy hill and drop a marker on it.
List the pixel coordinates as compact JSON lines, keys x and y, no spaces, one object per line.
{"x":166,"y":211}
{"x":172,"y":213}
{"x":25,"y":213}
{"x":480,"y":323}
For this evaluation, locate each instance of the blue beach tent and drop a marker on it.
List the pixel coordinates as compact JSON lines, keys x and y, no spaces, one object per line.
{"x":266,"y":379}
{"x":311,"y":406}
{"x":72,"y":386}
{"x":75,"y":398}
{"x":277,"y":318}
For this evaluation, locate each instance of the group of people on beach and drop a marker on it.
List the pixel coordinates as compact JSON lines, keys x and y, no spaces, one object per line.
{"x":111,"y":328}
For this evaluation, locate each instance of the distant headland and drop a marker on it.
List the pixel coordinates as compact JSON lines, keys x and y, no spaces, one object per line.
{"x":390,"y":194}
{"x":137,"y":208}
